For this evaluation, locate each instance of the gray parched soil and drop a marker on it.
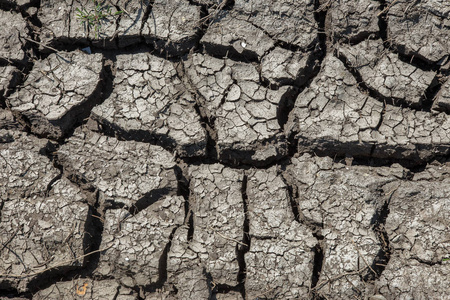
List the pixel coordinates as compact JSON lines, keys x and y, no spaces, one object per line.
{"x":225,"y":149}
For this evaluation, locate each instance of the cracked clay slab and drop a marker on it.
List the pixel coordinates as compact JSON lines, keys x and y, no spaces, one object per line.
{"x":333,"y":116}
{"x":245,"y":113}
{"x":419,"y":210}
{"x":14,"y":28}
{"x":420,"y":29}
{"x":9,"y":78}
{"x":344,"y":202}
{"x":291,"y":22}
{"x":231,"y":36}
{"x":352,"y":20}
{"x":150,"y":103}
{"x":410,"y":279}
{"x":57,"y":92}
{"x":384,"y":72}
{"x":136,"y":245}
{"x":172,"y":26}
{"x":218,"y":217}
{"x":280,"y":259}
{"x":442,"y":100}
{"x":126,"y":173}
{"x":44,"y":219}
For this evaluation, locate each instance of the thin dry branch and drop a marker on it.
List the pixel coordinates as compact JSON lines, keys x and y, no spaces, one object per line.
{"x":61,"y":264}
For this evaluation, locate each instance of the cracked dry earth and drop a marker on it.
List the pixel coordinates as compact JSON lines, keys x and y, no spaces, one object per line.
{"x":212,"y":149}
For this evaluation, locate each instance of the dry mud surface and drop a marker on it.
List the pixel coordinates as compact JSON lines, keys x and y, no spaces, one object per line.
{"x":213,"y":149}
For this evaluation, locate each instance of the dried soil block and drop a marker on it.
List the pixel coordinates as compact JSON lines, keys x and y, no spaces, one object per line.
{"x":442,"y":100}
{"x":14,"y":28}
{"x":218,"y":220}
{"x":420,"y":29}
{"x":284,"y":20}
{"x":9,"y":78}
{"x":333,"y":116}
{"x":231,"y":35}
{"x":245,"y":113}
{"x":410,"y":279}
{"x":85,"y":288}
{"x":346,"y":202}
{"x":285,"y":67}
{"x":352,"y":20}
{"x":41,"y":231}
{"x":7,"y":122}
{"x":25,"y":173}
{"x":419,"y":210}
{"x":280,"y":259}
{"x":218,"y":215}
{"x":184,"y":269}
{"x":137,"y":244}
{"x":172,"y":26}
{"x":58,"y":92}
{"x":384,"y":72}
{"x":150,"y":103}
{"x":126,"y":173}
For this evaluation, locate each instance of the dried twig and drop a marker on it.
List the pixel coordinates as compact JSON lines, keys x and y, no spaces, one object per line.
{"x":386,"y":9}
{"x":337,"y":277}
{"x":364,"y":259}
{"x":228,"y":238}
{"x":11,"y":237}
{"x":63,"y":263}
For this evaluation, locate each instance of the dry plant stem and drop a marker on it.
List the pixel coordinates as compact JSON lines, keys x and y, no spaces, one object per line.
{"x":11,"y":238}
{"x":387,"y":8}
{"x":337,"y":277}
{"x":36,"y":42}
{"x":227,"y":238}
{"x":364,"y":259}
{"x":63,"y":263}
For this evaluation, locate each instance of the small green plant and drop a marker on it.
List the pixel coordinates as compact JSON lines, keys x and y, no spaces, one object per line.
{"x":94,"y":17}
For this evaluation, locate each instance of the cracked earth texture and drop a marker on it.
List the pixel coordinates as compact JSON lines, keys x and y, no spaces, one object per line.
{"x":225,"y":149}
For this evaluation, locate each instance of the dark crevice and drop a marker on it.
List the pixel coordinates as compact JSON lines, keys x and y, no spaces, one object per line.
{"x":415,"y":61}
{"x":99,"y":124}
{"x":241,"y":250}
{"x":202,"y":28}
{"x":320,"y":16}
{"x":429,"y":263}
{"x":319,"y":259}
{"x":384,"y":254}
{"x":285,"y":106}
{"x":184,"y":191}
{"x":232,"y":157}
{"x":148,"y":199}
{"x":221,"y":52}
{"x":293,"y":196}
{"x":103,"y":90}
{"x":147,"y":12}
{"x":50,"y":152}
{"x":430,"y":94}
{"x":11,"y":293}
{"x":382,"y":22}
